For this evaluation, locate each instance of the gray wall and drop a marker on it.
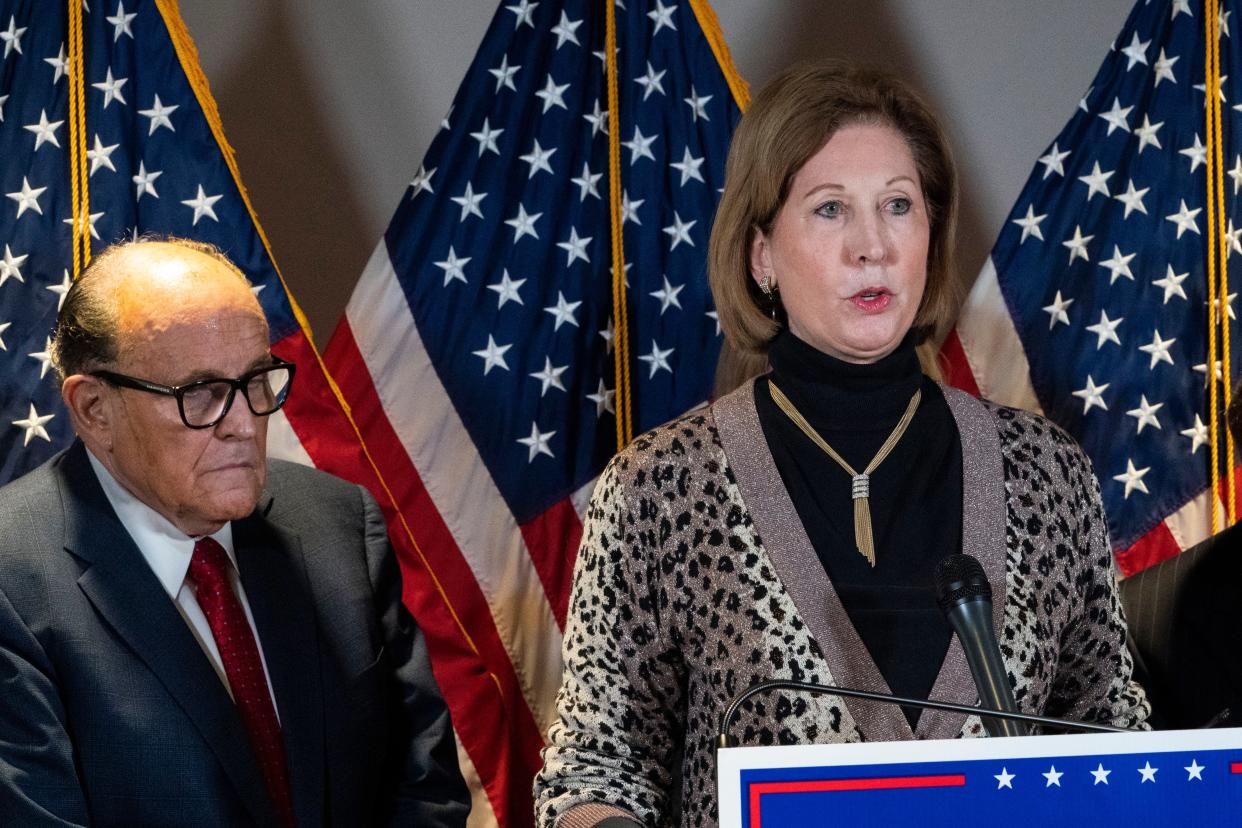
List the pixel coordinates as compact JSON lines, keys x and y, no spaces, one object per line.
{"x":331,"y":105}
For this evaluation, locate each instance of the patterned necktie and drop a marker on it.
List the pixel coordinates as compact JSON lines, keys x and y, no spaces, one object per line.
{"x":209,"y":569}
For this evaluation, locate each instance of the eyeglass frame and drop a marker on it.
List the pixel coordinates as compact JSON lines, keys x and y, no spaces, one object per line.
{"x":178,"y":391}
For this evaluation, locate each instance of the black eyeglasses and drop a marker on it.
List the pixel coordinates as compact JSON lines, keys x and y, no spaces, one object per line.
{"x":206,"y":402}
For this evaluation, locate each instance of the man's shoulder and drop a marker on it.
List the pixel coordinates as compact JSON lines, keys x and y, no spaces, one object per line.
{"x":294,"y":488}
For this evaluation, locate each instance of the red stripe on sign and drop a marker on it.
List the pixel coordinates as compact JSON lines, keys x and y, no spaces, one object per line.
{"x":759,"y":789}
{"x":956,"y":366}
{"x":470,"y":663}
{"x":548,"y":537}
{"x":1149,"y":550}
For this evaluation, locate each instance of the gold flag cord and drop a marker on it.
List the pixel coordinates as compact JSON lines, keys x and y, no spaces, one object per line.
{"x":79,"y":188}
{"x":1217,"y":144}
{"x":620,"y":315}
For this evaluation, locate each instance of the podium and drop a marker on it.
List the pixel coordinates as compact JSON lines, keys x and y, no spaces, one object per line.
{"x":1160,"y":778}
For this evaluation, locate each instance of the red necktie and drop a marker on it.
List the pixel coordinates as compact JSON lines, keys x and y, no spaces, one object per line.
{"x":209,"y":569}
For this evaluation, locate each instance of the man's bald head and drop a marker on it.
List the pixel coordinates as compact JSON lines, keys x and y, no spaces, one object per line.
{"x":136,"y":285}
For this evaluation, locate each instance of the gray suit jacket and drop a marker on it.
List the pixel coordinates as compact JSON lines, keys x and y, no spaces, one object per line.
{"x":111,"y":714}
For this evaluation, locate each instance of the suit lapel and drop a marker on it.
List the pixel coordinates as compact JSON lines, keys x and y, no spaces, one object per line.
{"x":129,"y":598}
{"x":273,"y":573}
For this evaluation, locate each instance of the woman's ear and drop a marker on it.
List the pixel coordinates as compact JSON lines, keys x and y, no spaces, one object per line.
{"x":761,"y":261}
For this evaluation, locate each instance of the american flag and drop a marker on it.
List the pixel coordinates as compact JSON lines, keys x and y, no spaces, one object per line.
{"x":477,"y":350}
{"x":1093,"y":306}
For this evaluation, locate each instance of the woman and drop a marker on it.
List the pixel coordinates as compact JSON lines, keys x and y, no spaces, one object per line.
{"x":791,"y":530}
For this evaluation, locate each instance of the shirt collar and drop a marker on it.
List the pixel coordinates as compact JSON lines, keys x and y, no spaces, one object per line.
{"x":165,"y":548}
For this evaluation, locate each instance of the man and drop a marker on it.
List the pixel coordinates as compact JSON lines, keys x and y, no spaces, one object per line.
{"x":190,"y":634}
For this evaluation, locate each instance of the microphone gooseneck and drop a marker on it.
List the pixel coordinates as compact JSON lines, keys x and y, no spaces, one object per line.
{"x":965,"y":598}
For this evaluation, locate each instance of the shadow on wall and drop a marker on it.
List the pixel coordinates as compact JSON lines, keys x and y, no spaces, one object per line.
{"x":297,"y":177}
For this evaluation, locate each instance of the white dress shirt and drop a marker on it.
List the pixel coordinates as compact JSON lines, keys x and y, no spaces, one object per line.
{"x":167,"y":550}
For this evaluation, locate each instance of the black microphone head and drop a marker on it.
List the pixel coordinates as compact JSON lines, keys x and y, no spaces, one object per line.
{"x":960,"y":578}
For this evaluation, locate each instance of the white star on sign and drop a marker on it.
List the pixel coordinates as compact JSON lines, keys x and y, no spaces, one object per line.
{"x":44,"y":357}
{"x":1004,"y":779}
{"x":603,"y":399}
{"x":523,"y":10}
{"x":90,"y":221}
{"x":552,"y":94}
{"x":629,"y":209}
{"x":1118,"y":265}
{"x":1147,"y":771}
{"x":453,"y":267}
{"x":1194,"y":770}
{"x":507,"y":290}
{"x":1053,"y":776}
{"x":1030,"y":224}
{"x":120,"y":23}
{"x":1136,"y":52}
{"x":1163,"y":69}
{"x":537,"y":158}
{"x":1133,"y":199}
{"x":1133,"y":479}
{"x":1106,"y":329}
{"x":537,"y":442}
{"x":587,"y":182}
{"x":1172,"y":284}
{"x":639,"y":146}
{"x":13,"y":37}
{"x":1053,"y":161}
{"x":1078,"y":245}
{"x":1196,"y":152}
{"x":1100,"y":774}
{"x":487,"y":138}
{"x":100,"y":156}
{"x":1147,"y":134}
{"x":59,"y":63}
{"x":668,"y":295}
{"x":657,"y":359}
{"x":202,"y":204}
{"x":650,"y":82}
{"x":27,"y":198}
{"x":1198,"y":434}
{"x":565,"y":31}
{"x":598,"y":120}
{"x":112,"y":89}
{"x":34,"y":425}
{"x":1091,"y":395}
{"x":61,"y":289}
{"x":1184,"y":218}
{"x":550,"y":376}
{"x":158,"y":113}
{"x":422,"y":181}
{"x":1158,"y":348}
{"x":688,"y":166}
{"x":563,"y":311}
{"x":575,"y":247}
{"x":679,"y":231}
{"x":1097,"y":181}
{"x":1057,"y":310}
{"x":10,"y":266}
{"x":44,"y":131}
{"x":504,"y":74}
{"x":1117,"y":117}
{"x":523,"y":224}
{"x":469,"y":202}
{"x":1145,"y":414}
{"x":493,"y":355}
{"x":144,"y":182}
{"x":663,"y":16}
{"x":697,"y":105}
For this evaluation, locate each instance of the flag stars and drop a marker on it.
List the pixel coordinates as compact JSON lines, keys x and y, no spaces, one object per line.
{"x":538,"y":158}
{"x":504,"y":74}
{"x":90,"y":223}
{"x":523,"y":224}
{"x":1146,"y":415}
{"x":603,"y":399}
{"x":1232,"y":239}
{"x":1236,"y":173}
{"x":523,"y":11}
{"x":493,"y":355}
{"x":1147,"y":772}
{"x":1202,"y":368}
{"x":688,"y":166}
{"x":121,"y":22}
{"x":639,"y":146}
{"x":1172,"y":284}
{"x":1194,"y":770}
{"x":111,"y":87}
{"x":657,"y":360}
{"x":575,"y":247}
{"x":10,"y":266}
{"x":1078,"y":245}
{"x":668,"y":295}
{"x":563,"y":311}
{"x":1196,"y":152}
{"x":12,"y":39}
{"x":552,"y":94}
{"x":587,"y":183}
{"x":44,"y":357}
{"x":1053,"y":776}
{"x":1097,"y":181}
{"x":158,"y":115}
{"x":34,"y":425}
{"x":679,"y":231}
{"x":1132,"y":479}
{"x":1092,"y":395}
{"x":662,"y":15}
{"x":550,"y":376}
{"x":1106,"y":330}
{"x":1198,"y":434}
{"x":27,"y":198}
{"x":1163,"y":69}
{"x":537,"y":442}
{"x":1118,"y":265}
{"x":1136,"y":52}
{"x":1181,"y":7}
{"x":100,"y":156}
{"x":507,"y":290}
{"x":629,"y":208}
{"x":1100,"y":775}
{"x":469,"y":202}
{"x":62,"y":289}
{"x":422,"y":181}
{"x":1158,"y":348}
{"x":1057,"y":311}
{"x":144,"y":181}
{"x":454,"y":268}
{"x":487,"y":138}
{"x":1117,"y":117}
{"x":1147,"y":134}
{"x":565,"y":31}
{"x":44,"y":131}
{"x":1030,"y":224}
{"x":203,"y":205}
{"x":1228,"y":307}
{"x":1133,"y":199}
{"x":1004,"y":779}
{"x":598,"y":119}
{"x":697,"y":105}
{"x":651,"y":82}
{"x":1053,"y":161}
{"x":1184,"y":218}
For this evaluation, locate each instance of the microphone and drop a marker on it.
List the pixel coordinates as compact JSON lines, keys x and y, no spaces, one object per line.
{"x":965,"y":598}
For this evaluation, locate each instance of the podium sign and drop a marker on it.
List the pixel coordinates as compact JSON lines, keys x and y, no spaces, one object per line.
{"x":1174,"y":778}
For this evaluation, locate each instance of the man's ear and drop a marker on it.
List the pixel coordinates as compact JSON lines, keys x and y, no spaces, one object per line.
{"x":761,"y":258}
{"x":89,"y":401}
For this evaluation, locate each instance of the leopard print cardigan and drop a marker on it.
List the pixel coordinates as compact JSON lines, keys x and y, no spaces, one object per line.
{"x":695,"y":580}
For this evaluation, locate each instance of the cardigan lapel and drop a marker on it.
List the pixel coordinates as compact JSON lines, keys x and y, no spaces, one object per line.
{"x":128,"y":596}
{"x":273,"y":573}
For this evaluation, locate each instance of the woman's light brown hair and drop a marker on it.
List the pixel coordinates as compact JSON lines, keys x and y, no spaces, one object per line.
{"x":787,"y":123}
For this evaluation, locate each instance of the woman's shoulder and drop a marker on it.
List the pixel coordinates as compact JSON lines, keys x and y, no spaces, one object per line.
{"x":678,"y":441}
{"x":1020,"y":427}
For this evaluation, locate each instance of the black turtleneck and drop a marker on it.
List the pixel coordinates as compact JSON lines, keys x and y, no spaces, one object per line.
{"x":916,"y":495}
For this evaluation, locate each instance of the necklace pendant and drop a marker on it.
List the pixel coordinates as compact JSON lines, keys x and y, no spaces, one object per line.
{"x":861,"y":489}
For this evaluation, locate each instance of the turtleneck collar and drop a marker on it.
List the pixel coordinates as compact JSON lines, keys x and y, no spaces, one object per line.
{"x":833,"y":394}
